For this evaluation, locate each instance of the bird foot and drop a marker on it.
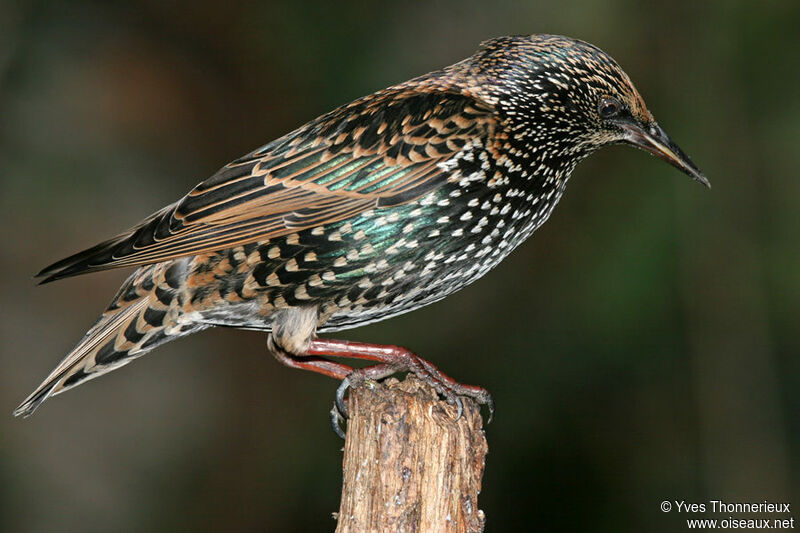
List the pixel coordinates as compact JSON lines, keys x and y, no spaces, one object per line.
{"x":447,"y":387}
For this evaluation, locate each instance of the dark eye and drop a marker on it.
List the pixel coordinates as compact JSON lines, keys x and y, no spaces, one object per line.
{"x":609,"y":107}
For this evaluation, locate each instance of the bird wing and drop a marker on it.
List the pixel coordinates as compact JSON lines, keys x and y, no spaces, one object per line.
{"x":382,"y":150}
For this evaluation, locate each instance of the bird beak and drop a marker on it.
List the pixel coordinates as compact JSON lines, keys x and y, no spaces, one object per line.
{"x":653,"y":139}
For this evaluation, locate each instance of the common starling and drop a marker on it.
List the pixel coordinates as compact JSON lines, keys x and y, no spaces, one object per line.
{"x":379,"y":207}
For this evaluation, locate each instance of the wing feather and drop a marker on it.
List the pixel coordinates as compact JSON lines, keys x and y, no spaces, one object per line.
{"x":382,"y":150}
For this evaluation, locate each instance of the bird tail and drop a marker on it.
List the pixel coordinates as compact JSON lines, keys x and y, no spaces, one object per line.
{"x":136,"y":321}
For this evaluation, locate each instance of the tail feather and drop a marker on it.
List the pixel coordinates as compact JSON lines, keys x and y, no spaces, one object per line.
{"x":81,"y":363}
{"x":136,"y":322}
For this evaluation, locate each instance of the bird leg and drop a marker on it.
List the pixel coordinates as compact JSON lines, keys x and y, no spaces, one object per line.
{"x":391,"y":359}
{"x":319,"y":365}
{"x":292,"y":343}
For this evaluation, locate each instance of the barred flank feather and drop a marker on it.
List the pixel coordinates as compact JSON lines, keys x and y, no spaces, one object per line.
{"x":141,"y":317}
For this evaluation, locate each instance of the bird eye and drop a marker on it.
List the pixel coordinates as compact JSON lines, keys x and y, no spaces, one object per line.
{"x":609,"y":107}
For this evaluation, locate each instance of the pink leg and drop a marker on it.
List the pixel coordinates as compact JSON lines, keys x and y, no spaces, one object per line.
{"x":390,"y":360}
{"x":319,"y":365}
{"x":394,"y":359}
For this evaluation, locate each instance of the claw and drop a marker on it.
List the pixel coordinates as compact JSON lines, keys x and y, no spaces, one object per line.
{"x":341,"y":404}
{"x":460,"y":406}
{"x":490,"y":408}
{"x":336,"y":421}
{"x":339,"y":410}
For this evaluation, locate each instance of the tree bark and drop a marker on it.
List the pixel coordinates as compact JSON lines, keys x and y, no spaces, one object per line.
{"x":409,"y":465}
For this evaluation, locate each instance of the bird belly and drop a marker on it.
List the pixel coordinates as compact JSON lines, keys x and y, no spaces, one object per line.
{"x":446,"y":253}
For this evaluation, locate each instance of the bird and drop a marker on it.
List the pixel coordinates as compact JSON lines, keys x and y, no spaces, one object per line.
{"x":382,"y":206}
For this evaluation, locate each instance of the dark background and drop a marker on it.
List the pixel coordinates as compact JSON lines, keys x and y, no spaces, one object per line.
{"x":643,"y":346}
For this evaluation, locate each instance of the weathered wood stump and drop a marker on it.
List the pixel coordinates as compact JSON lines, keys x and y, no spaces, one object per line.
{"x":409,"y":465}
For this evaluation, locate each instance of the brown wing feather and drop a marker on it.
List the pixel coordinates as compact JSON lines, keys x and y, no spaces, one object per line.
{"x":381,"y":150}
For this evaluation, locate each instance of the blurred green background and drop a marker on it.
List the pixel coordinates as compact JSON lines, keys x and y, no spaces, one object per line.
{"x":641,"y":347}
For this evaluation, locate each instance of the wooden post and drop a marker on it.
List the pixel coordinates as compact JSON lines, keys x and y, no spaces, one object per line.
{"x":408,"y":464}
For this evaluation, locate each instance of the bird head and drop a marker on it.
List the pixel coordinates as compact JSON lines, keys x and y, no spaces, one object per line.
{"x":569,"y":98}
